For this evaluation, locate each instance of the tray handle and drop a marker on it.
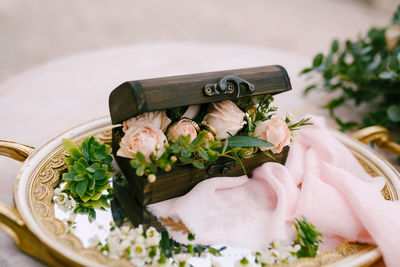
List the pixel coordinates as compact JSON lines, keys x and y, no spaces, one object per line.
{"x":11,"y":221}
{"x":378,"y":134}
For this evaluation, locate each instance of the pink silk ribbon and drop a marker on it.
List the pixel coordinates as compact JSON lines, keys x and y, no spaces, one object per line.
{"x":321,"y":180}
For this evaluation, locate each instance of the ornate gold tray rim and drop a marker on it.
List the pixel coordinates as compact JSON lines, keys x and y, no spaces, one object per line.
{"x":30,"y":170}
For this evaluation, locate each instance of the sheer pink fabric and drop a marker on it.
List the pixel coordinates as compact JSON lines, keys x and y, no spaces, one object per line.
{"x":321,"y":181}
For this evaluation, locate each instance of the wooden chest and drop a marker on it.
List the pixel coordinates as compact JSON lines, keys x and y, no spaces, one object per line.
{"x":137,"y":97}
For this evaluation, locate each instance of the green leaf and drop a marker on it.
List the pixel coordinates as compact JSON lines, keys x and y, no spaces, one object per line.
{"x":248,"y":141}
{"x":79,"y":177}
{"x":203,"y":153}
{"x":184,"y":160}
{"x":318,"y":60}
{"x":99,"y":174}
{"x":212,"y":156}
{"x":185,"y":153}
{"x":387,"y":75}
{"x":335,"y":46}
{"x":71,"y":148}
{"x":79,"y":167}
{"x":268,"y":154}
{"x":396,"y":16}
{"x":306,"y":70}
{"x":140,"y":157}
{"x":329,"y":62}
{"x":225,"y":146}
{"x":393,"y":113}
{"x":81,"y":187}
{"x":307,"y":237}
{"x":335,"y":103}
{"x":69,"y":176}
{"x":198,"y":164}
{"x":214,"y":251}
{"x":200,"y":138}
{"x":309,"y":88}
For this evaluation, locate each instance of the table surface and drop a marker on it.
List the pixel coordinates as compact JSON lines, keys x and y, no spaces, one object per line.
{"x":41,"y":103}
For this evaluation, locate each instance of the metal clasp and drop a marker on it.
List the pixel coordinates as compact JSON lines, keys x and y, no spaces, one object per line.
{"x":222,"y":168}
{"x":228,"y":85}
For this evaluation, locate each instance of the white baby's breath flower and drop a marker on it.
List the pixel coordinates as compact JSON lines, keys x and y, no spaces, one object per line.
{"x":152,"y":237}
{"x":182,"y":259}
{"x":138,"y":251}
{"x":72,"y":202}
{"x":61,"y":198}
{"x":94,"y":242}
{"x":266,"y":258}
{"x":139,"y":230}
{"x":243,"y":263}
{"x":140,"y":239}
{"x":69,"y":226}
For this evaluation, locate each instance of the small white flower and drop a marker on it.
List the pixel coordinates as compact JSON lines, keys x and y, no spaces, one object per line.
{"x":61,"y":198}
{"x":94,"y":241}
{"x":57,"y":191}
{"x":139,"y":230}
{"x":182,"y":259}
{"x":266,"y":258}
{"x":152,"y":237}
{"x":72,"y":202}
{"x":138,"y":250}
{"x":243,"y":263}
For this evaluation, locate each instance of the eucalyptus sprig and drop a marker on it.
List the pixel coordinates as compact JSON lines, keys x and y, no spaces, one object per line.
{"x":367,"y":71}
{"x":307,"y":236}
{"x":88,"y":174}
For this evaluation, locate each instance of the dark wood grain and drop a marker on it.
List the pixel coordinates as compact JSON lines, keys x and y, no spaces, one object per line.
{"x":134,"y":97}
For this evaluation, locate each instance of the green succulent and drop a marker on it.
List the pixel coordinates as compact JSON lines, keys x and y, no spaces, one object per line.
{"x":89,"y":171}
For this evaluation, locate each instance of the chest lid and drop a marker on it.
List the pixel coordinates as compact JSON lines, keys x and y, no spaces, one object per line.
{"x":136,"y":97}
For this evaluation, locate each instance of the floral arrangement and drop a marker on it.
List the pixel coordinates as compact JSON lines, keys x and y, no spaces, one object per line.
{"x":149,"y":247}
{"x":91,"y":160}
{"x":199,"y":135}
{"x":364,"y":71}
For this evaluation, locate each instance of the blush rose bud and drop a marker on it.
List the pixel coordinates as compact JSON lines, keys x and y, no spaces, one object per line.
{"x":183,"y":127}
{"x":145,"y":140}
{"x":275,"y":131}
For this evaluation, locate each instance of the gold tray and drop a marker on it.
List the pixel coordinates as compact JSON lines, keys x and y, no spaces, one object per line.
{"x":38,"y":233}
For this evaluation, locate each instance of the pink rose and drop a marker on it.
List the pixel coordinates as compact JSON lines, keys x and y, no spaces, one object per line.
{"x":275,"y":131}
{"x":142,"y":139}
{"x":226,"y":118}
{"x":182,"y":127}
{"x":154,"y":119}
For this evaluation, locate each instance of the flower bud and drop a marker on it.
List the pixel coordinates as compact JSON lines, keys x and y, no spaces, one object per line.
{"x":173,"y":158}
{"x":167,"y":168}
{"x":151,"y":178}
{"x":139,"y":173}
